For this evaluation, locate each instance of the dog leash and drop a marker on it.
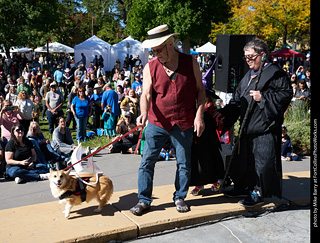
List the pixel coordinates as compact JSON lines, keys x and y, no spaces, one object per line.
{"x":116,"y":140}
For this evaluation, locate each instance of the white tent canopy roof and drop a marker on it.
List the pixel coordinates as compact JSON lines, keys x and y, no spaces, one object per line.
{"x":93,"y":42}
{"x":207,"y":48}
{"x":91,"y":47}
{"x":121,"y":50}
{"x":55,"y":47}
{"x":20,"y":49}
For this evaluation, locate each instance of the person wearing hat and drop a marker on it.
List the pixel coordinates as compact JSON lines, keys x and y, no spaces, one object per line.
{"x":54,"y":101}
{"x":173,"y":102}
{"x":137,"y":84}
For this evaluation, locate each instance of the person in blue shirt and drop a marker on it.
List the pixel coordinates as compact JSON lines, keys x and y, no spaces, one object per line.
{"x":109,"y":122}
{"x":137,"y":85}
{"x":300,"y":73}
{"x":81,"y":108}
{"x":57,"y":76}
{"x":110,"y":97}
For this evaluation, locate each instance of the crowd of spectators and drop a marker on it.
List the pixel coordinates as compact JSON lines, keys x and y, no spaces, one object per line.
{"x":33,"y":91}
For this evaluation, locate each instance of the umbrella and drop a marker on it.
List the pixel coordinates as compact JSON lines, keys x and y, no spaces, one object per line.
{"x":286,"y":52}
{"x":55,"y":47}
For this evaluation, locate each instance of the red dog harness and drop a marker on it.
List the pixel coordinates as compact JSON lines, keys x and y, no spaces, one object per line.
{"x":80,"y":190}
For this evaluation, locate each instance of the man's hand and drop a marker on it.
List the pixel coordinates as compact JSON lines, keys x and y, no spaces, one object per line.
{"x":199,"y":126}
{"x":142,"y":119}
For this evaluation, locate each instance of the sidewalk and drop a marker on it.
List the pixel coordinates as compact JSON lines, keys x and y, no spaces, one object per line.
{"x":45,"y":222}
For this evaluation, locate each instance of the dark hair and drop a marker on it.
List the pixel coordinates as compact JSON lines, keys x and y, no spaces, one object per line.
{"x":81,"y":90}
{"x":59,"y":118}
{"x":14,"y":138}
{"x":258,"y":46}
{"x":302,"y":81}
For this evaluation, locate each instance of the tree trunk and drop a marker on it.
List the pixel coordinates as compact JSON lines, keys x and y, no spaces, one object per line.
{"x":186,"y":45}
{"x":285,"y":33}
{"x":7,"y":51}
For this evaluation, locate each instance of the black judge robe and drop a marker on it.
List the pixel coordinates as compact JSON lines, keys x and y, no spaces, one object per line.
{"x":258,"y":165}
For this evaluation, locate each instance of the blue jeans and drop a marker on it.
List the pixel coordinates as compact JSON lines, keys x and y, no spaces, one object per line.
{"x":52,"y":118}
{"x":27,"y":175}
{"x":45,"y":152}
{"x":155,"y":139}
{"x":81,"y":128}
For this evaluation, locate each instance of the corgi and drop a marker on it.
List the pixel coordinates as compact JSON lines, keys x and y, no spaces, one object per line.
{"x":63,"y":186}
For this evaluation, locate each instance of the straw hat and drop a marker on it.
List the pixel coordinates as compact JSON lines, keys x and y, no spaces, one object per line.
{"x":54,"y":83}
{"x":97,"y":86}
{"x":157,"y":36}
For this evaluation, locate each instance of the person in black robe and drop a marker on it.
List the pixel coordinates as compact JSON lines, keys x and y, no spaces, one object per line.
{"x":206,"y":161}
{"x":256,"y":166}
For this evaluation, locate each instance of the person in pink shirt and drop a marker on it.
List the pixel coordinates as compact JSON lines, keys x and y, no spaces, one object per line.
{"x":9,"y":116}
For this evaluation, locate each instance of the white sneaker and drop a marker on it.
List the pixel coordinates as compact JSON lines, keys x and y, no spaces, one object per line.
{"x":88,"y":151}
{"x":44,"y":176}
{"x":18,"y":180}
{"x":95,"y":149}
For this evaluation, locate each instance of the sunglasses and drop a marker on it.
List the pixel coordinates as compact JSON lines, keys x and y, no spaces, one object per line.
{"x":159,"y":50}
{"x":19,"y":130}
{"x":250,"y":58}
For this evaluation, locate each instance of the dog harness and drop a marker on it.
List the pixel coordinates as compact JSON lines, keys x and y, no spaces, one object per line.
{"x":80,"y":190}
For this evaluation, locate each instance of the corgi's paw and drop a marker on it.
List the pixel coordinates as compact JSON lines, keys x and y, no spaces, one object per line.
{"x":66,"y":214}
{"x":62,"y":201}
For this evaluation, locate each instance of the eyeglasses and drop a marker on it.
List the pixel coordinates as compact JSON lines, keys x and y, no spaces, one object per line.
{"x":159,"y":50}
{"x":250,"y":58}
{"x":19,"y":130}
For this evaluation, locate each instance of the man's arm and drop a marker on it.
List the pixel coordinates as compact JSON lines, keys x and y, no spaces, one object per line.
{"x":201,"y":97}
{"x":146,"y":96}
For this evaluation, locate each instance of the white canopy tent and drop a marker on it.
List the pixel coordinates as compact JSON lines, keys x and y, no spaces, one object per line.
{"x":91,"y":47}
{"x":55,"y":47}
{"x":129,"y":46}
{"x":20,"y":49}
{"x":207,"y":48}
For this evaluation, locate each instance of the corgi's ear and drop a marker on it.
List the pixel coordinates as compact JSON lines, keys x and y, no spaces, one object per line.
{"x":68,"y":171}
{"x":50,"y":171}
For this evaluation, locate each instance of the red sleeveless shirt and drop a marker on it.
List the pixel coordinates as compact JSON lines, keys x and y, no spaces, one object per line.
{"x":173,"y":101}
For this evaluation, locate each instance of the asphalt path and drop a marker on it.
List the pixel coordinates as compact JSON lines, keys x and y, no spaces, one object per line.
{"x":122,"y":170}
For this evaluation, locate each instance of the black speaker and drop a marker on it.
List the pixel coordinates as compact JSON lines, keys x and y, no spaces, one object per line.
{"x":230,"y":67}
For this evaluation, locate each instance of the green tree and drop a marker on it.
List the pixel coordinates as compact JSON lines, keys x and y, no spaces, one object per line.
{"x":26,"y":22}
{"x":107,"y":16}
{"x":191,"y":19}
{"x":270,"y":20}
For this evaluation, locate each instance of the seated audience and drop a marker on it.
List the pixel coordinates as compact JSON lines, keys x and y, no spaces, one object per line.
{"x":45,"y":152}
{"x":9,"y":116}
{"x":21,"y":158}
{"x":62,"y":141}
{"x":127,"y":144}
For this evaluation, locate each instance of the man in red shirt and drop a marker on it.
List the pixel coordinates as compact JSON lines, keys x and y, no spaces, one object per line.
{"x":172,"y":101}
